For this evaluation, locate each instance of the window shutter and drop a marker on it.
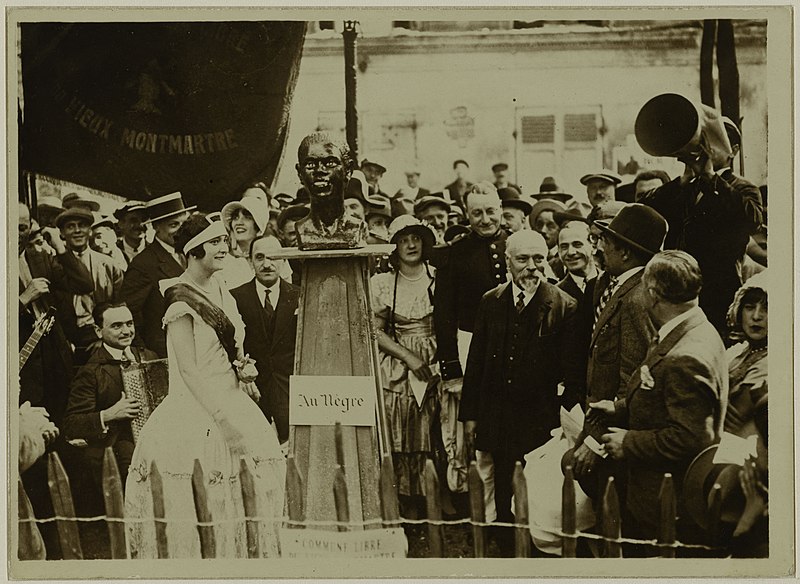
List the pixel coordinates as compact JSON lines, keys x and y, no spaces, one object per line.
{"x":538,"y":129}
{"x":580,"y":128}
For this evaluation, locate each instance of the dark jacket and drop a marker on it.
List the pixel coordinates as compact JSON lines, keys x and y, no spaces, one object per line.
{"x":514,"y":367}
{"x":140,"y":292}
{"x":98,"y":386}
{"x":715,"y":231}
{"x":675,"y":414}
{"x":272,"y":345}
{"x":473,"y":265}
{"x":457,"y":192}
{"x":585,"y":315}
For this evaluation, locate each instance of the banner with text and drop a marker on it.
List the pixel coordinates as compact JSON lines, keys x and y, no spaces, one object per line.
{"x":369,"y":543}
{"x":144,"y":109}
{"x":323,"y":400}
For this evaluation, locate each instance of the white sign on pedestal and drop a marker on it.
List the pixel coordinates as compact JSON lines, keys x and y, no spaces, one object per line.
{"x":323,"y":400}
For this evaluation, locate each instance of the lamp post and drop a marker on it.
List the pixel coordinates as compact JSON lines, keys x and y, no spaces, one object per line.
{"x":349,"y":33}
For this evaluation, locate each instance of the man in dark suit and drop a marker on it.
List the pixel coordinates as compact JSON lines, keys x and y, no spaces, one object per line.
{"x":156,"y":262}
{"x":622,"y":328}
{"x":99,"y":413}
{"x":130,"y":220}
{"x":268,"y":305}
{"x":711,"y":214}
{"x":467,"y":270}
{"x":676,"y":400}
{"x":524,"y":344}
{"x":459,"y":187}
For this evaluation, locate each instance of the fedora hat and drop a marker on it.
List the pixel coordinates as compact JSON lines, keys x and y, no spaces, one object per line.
{"x":402,"y":206}
{"x":127,"y":208}
{"x":638,"y":226}
{"x":74,"y":200}
{"x":429,"y":200}
{"x":379,"y":167}
{"x":511,"y":197}
{"x":550,"y":189}
{"x":49,"y":202}
{"x":165,"y":206}
{"x":698,"y":485}
{"x":410,"y":224}
{"x":604,"y":175}
{"x":292,"y":213}
{"x":455,"y":231}
{"x":378,"y":206}
{"x":78,"y":213}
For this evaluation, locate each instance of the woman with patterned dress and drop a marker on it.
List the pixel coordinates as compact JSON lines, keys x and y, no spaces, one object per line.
{"x":747,"y":360}
{"x":403,"y":307}
{"x":208,"y":415}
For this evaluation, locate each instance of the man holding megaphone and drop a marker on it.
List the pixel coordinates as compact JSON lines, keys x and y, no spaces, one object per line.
{"x":711,"y":212}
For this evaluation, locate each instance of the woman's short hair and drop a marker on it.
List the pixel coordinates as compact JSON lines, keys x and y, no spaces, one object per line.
{"x":195,"y":224}
{"x":674,"y":276}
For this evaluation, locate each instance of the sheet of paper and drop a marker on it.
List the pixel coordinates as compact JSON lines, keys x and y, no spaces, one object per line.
{"x":735,"y":450}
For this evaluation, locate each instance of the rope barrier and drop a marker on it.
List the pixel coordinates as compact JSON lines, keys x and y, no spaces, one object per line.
{"x":382,"y":523}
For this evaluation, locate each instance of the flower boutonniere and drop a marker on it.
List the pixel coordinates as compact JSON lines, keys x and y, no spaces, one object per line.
{"x":646,"y":378}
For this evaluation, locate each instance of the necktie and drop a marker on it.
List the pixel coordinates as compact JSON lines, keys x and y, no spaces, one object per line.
{"x":604,"y":298}
{"x":128,"y":355}
{"x":520,"y":302}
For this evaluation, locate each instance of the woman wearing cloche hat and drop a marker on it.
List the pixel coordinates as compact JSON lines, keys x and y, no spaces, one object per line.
{"x":402,"y":301}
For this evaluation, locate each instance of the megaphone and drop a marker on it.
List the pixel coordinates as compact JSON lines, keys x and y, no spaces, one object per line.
{"x":673,"y":125}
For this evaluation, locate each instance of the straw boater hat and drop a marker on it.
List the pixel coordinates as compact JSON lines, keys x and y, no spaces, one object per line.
{"x":165,"y":206}
{"x":550,"y":189}
{"x":104,"y":221}
{"x":510,"y":197}
{"x":638,"y":226}
{"x":253,"y":205}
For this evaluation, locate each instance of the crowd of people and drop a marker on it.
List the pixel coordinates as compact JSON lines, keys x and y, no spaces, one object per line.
{"x":497,"y":308}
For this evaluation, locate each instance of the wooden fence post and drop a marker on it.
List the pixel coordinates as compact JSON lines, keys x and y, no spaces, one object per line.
{"x":340,"y":499}
{"x":522,"y":541}
{"x":477,"y":510}
{"x":434,"y":508}
{"x":390,"y":506}
{"x":569,"y":543}
{"x":208,"y":544}
{"x":68,"y":535}
{"x":611,"y":527}
{"x":666,"y":529}
{"x":250,"y":509}
{"x":114,"y":505}
{"x":30,"y":545}
{"x":294,"y":493}
{"x":159,"y":516}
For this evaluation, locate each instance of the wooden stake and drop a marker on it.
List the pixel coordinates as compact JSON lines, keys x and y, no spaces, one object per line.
{"x":522,"y":544}
{"x":294,"y":493}
{"x":61,"y":495}
{"x":250,"y":509}
{"x":114,"y":504}
{"x":611,"y":527}
{"x":340,"y":499}
{"x":477,"y":510}
{"x":208,"y":544}
{"x":159,"y":516}
{"x":435,"y":532}
{"x":390,"y":506}
{"x":666,"y":529}
{"x":568,"y":515}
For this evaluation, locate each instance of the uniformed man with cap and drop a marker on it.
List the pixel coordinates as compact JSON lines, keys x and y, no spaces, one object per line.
{"x":500,"y":171}
{"x":600,"y":186}
{"x":474,"y":264}
{"x":157,"y":261}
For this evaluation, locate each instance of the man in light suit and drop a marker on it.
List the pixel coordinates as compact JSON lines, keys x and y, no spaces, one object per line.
{"x":268,"y":305}
{"x":621,"y":332}
{"x":676,"y":400}
{"x":156,"y":262}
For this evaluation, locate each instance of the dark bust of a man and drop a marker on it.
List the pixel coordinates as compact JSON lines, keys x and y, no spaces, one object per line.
{"x":324,"y":167}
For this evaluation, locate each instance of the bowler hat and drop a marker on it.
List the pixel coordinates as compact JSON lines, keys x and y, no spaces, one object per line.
{"x":78,"y":213}
{"x":698,"y":487}
{"x":410,"y":224}
{"x":604,"y":175}
{"x":292,"y":213}
{"x":165,"y":206}
{"x":429,"y":200}
{"x":550,"y":189}
{"x":510,"y":197}
{"x":127,"y":208}
{"x":380,"y":168}
{"x":74,"y":200}
{"x":638,"y":226}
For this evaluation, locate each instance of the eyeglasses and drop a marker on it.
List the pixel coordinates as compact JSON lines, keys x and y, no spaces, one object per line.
{"x":327,"y":163}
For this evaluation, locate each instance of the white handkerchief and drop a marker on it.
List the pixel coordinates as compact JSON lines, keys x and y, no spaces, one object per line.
{"x":735,"y":450}
{"x":418,"y":386}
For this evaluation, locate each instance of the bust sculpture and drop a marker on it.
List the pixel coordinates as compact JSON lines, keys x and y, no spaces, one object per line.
{"x":324,"y":167}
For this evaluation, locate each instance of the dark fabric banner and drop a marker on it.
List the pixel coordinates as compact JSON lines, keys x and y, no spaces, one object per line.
{"x":144,"y":109}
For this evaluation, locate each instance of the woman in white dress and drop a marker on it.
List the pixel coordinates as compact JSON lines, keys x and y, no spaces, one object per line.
{"x":208,"y":415}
